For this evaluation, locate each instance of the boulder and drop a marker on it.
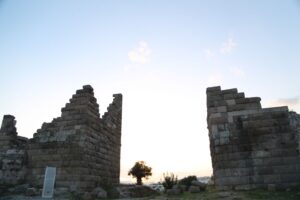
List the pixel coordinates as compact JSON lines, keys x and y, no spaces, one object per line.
{"x":173,"y":191}
{"x":135,"y":191}
{"x":202,"y":186}
{"x":182,"y":188}
{"x":194,"y":189}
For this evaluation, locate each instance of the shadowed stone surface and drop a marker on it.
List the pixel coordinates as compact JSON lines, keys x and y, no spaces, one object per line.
{"x":13,"y":157}
{"x":8,"y":127}
{"x":251,"y":147}
{"x":84,"y":148}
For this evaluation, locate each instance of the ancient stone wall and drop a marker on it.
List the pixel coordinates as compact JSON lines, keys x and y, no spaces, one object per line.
{"x":13,"y":159}
{"x":84,"y":148}
{"x":252,"y":147}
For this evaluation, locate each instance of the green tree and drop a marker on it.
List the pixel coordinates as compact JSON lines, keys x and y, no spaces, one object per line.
{"x":140,"y":170}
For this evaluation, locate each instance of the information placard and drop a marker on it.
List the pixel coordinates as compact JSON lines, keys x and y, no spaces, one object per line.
{"x":48,"y":188}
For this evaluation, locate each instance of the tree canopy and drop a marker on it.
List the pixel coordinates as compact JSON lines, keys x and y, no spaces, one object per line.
{"x":140,"y":170}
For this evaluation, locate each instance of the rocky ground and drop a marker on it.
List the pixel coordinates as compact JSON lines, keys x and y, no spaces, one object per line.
{"x":196,"y":191}
{"x":207,"y":195}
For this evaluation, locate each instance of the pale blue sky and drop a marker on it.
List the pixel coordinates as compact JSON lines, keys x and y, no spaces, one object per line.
{"x":160,"y":54}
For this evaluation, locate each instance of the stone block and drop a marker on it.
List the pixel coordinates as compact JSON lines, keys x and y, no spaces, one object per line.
{"x":230,"y":102}
{"x":245,"y":187}
{"x":292,"y":178}
{"x":239,"y":107}
{"x":229,"y":91}
{"x":271,"y":179}
{"x":248,"y":100}
{"x":272,"y":161}
{"x":291,"y":160}
{"x":218,"y":103}
{"x":257,"y":179}
{"x":260,"y":154}
{"x":215,"y":98}
{"x":229,"y":96}
{"x":213,"y":89}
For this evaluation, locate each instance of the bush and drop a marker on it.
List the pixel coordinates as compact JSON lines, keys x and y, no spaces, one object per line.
{"x":187,"y":181}
{"x":169,"y":181}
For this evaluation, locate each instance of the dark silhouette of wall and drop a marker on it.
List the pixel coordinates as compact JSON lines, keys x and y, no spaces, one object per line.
{"x":83,"y":147}
{"x":252,"y":147}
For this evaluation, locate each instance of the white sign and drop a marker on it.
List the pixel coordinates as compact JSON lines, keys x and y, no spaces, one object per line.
{"x":49,"y":180}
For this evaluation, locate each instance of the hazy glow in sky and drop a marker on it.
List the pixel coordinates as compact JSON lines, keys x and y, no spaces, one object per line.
{"x":161,"y":55}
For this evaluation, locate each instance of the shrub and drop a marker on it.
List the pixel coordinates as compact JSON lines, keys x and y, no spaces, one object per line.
{"x":187,"y":181}
{"x":169,"y":180}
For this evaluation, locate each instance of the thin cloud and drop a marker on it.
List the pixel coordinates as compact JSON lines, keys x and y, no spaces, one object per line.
{"x":208,"y":53}
{"x":292,"y":103}
{"x":215,"y":79}
{"x":237,"y":71}
{"x":141,"y":54}
{"x":287,"y":101}
{"x":228,"y":46}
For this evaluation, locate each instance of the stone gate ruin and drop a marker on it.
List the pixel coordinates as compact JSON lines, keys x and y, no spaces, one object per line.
{"x":252,"y":147}
{"x":83,"y":147}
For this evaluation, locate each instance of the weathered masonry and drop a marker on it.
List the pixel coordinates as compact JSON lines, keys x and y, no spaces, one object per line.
{"x":252,"y":147}
{"x":12,"y":153}
{"x":84,"y":148}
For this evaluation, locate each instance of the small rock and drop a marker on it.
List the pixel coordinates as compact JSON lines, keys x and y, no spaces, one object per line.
{"x":31,"y":192}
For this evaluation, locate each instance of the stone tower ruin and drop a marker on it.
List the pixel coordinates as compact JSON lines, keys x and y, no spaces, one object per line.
{"x":252,"y":147}
{"x":84,"y":148}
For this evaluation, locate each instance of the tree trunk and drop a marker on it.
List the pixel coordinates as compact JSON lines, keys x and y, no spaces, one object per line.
{"x":139,"y":181}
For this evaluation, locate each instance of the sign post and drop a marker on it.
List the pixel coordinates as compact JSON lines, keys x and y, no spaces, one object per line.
{"x":48,"y":188}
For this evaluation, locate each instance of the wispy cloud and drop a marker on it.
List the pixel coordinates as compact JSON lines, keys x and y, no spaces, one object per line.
{"x":237,"y":71}
{"x":287,"y":101}
{"x":141,"y":54}
{"x":215,"y":79}
{"x":228,"y":46}
{"x":293,"y":103}
{"x":208,"y":53}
